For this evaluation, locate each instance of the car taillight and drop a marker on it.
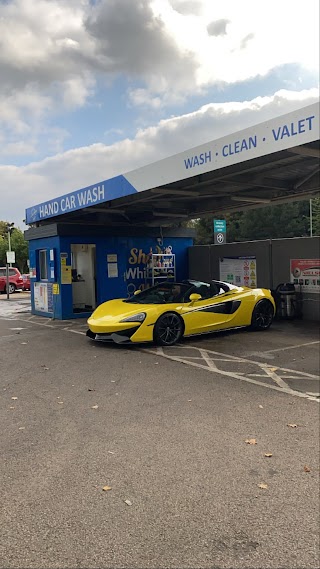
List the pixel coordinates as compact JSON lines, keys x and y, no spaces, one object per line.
{"x":20,"y":280}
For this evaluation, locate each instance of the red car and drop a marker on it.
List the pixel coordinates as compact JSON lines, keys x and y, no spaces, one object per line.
{"x":15,"y":280}
{"x":26,"y":281}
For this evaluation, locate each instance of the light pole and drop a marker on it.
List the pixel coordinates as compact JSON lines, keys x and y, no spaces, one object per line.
{"x":9,"y":230}
{"x":310,"y":208}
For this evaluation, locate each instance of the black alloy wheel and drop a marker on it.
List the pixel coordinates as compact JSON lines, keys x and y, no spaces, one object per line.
{"x":262,"y":315}
{"x":168,"y":329}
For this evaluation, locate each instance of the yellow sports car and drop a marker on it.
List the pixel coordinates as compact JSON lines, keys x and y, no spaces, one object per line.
{"x":168,"y":311}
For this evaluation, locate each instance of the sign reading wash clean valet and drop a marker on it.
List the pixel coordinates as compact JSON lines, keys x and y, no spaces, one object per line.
{"x":290,"y":130}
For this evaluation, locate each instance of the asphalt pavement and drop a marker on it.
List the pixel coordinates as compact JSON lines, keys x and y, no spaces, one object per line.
{"x":182,"y":449}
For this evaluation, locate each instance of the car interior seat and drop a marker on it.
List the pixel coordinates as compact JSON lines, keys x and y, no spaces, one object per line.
{"x":204,"y":291}
{"x":214,"y":289}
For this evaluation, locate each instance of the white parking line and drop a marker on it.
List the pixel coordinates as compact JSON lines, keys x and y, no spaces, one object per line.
{"x":8,"y":336}
{"x":277,"y":374}
{"x":271,"y":373}
{"x":290,"y":347}
{"x":210,"y":362}
{"x":246,"y":360}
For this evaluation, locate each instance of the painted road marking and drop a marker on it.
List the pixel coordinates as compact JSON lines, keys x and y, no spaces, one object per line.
{"x":8,"y":336}
{"x":276,"y":378}
{"x":212,"y":358}
{"x":47,"y":323}
{"x":290,"y":347}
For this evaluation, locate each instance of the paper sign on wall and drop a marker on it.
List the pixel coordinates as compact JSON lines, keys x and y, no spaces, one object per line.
{"x":112,"y":270}
{"x":240,"y":271}
{"x":66,"y":274}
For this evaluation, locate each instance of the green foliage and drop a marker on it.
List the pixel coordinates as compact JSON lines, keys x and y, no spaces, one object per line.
{"x":18,"y":244}
{"x":3,"y":229}
{"x":272,"y":222}
{"x":316,"y":216}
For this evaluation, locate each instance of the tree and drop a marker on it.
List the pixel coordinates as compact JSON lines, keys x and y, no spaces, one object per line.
{"x":18,"y":244}
{"x":272,"y":222}
{"x":315,"y":204}
{"x":3,"y":228}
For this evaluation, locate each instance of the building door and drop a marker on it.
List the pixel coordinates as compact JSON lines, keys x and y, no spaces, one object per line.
{"x":83,"y":277}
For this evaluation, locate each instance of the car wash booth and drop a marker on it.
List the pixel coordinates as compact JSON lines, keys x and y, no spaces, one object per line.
{"x":128,"y":232}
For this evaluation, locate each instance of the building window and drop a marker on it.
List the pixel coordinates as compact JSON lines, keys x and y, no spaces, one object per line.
{"x":43,"y":264}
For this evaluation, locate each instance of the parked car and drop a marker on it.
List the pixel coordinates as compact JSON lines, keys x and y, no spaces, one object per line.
{"x":26,"y":281}
{"x":15,"y":280}
{"x":168,"y":311}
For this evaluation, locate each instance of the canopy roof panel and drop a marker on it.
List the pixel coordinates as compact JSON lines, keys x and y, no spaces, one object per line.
{"x":275,"y":162}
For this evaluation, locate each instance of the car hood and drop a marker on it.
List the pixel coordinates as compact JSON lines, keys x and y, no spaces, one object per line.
{"x":115,"y":310}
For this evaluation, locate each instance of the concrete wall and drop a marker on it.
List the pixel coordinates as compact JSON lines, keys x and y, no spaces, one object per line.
{"x":273,"y":263}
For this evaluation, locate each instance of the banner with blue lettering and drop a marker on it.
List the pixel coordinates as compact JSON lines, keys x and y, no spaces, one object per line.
{"x":92,"y":195}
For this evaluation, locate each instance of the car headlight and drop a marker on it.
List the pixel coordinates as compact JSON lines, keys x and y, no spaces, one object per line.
{"x":135,"y":318}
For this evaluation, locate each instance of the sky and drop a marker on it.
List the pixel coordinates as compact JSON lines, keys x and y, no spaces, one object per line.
{"x":90,"y":89}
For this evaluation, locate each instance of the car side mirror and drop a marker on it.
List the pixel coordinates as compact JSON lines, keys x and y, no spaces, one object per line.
{"x":137,"y":292}
{"x":194,"y":297}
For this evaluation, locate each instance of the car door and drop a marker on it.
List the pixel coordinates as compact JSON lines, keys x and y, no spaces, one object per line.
{"x":209,"y":314}
{"x":2,"y":279}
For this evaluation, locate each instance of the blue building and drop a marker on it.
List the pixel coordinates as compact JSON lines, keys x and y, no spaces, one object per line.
{"x":75,"y":268}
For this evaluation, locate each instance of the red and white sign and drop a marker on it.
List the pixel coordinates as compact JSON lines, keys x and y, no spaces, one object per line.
{"x":306,"y":273}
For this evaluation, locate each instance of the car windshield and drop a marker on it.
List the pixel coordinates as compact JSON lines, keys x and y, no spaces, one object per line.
{"x":167,"y":292}
{"x":162,"y":293}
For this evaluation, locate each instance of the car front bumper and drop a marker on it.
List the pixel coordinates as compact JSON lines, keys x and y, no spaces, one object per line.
{"x":119,"y":337}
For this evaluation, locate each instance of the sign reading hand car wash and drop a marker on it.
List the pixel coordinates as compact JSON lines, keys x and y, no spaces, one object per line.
{"x":219,"y":231}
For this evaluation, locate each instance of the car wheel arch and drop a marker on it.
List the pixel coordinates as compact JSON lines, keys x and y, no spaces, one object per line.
{"x":164,"y":315}
{"x":262,"y":302}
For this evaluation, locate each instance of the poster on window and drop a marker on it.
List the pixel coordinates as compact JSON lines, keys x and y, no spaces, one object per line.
{"x":305,"y":273}
{"x":240,"y":271}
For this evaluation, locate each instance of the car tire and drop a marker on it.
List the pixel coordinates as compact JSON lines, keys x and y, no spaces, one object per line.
{"x":168,"y":329}
{"x":12,"y":288}
{"x":262,"y":315}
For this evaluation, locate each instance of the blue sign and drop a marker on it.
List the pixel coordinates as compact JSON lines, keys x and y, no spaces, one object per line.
{"x":117,"y":187}
{"x":219,"y":225}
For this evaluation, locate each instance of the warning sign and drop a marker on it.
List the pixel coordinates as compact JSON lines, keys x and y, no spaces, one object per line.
{"x":240,"y":271}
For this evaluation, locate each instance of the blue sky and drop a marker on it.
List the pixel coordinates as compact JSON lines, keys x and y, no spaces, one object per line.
{"x":90,"y":90}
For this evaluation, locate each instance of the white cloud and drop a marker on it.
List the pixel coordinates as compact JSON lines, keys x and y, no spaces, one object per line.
{"x":187,"y":6}
{"x":63,"y":173}
{"x":173,"y":48}
{"x":51,"y":54}
{"x":19,"y":149}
